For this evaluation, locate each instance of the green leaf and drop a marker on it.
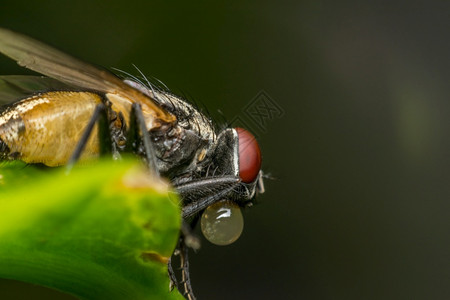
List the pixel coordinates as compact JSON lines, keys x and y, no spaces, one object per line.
{"x":104,"y":231}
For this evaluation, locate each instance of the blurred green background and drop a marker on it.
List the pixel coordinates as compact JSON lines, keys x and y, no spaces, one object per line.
{"x":360,"y":204}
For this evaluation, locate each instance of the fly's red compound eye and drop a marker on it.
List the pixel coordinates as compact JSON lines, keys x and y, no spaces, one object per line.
{"x":249,"y":156}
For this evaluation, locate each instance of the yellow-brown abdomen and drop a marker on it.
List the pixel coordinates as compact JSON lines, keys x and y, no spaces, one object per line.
{"x":46,"y":128}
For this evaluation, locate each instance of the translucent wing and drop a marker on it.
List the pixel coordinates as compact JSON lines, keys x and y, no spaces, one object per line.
{"x":16,"y":87}
{"x":48,"y":61}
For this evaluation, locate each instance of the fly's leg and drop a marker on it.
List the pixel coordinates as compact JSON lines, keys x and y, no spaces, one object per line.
{"x":206,"y":192}
{"x":138,"y":134}
{"x":184,"y":261}
{"x":99,"y":116}
{"x":187,"y":240}
{"x":215,"y":189}
{"x":173,"y":279}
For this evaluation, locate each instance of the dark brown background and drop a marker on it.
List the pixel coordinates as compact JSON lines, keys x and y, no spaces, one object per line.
{"x":360,"y":208}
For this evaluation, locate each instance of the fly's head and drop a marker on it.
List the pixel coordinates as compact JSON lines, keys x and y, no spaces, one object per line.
{"x":236,"y":156}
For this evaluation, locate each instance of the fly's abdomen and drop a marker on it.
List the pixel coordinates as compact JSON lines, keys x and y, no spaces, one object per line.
{"x":46,"y":128}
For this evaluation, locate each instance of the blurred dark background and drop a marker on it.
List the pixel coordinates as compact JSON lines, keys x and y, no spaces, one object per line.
{"x":360,"y":204}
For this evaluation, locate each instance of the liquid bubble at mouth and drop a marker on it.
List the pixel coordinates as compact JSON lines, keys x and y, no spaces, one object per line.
{"x":222,"y":223}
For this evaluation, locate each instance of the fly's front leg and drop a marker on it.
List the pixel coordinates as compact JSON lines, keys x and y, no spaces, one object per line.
{"x":202,"y":193}
{"x":100,"y":117}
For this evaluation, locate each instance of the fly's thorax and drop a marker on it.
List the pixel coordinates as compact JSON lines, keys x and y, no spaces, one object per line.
{"x":182,"y":146}
{"x":178,"y":149}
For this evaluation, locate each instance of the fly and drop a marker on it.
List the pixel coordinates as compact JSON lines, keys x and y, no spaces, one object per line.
{"x":50,"y":120}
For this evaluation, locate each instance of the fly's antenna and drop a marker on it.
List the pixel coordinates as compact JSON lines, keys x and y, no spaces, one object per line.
{"x":269,"y":176}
